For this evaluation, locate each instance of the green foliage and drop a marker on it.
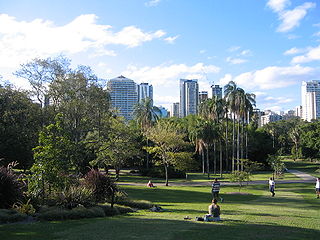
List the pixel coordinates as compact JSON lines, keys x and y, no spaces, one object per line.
{"x":26,"y":208}
{"x":19,"y":127}
{"x":10,"y":215}
{"x":310,"y":140}
{"x":101,"y":185}
{"x":240,"y":177}
{"x":108,"y":210}
{"x":138,"y":204}
{"x":58,"y":213}
{"x":276,"y":164}
{"x":75,"y":196}
{"x":10,"y":188}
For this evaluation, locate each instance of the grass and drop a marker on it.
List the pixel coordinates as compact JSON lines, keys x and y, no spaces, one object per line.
{"x":292,"y":214}
{"x":304,"y":165}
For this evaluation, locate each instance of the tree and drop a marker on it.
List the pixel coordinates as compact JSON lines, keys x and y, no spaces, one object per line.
{"x":117,"y":147}
{"x":53,"y":160}
{"x":168,"y":144}
{"x":19,"y":127}
{"x":276,"y":164}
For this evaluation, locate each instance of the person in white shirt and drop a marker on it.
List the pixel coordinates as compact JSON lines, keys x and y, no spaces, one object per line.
{"x":272,"y":186}
{"x":318,"y":187}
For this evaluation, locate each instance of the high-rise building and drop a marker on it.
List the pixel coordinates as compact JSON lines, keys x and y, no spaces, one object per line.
{"x":310,"y":100}
{"x":175,"y":109}
{"x":123,"y":94}
{"x":189,"y":91}
{"x":216,"y":91}
{"x":203,"y":96}
{"x":145,"y":91}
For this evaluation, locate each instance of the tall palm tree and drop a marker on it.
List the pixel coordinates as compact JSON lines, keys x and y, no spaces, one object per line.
{"x":146,"y":114}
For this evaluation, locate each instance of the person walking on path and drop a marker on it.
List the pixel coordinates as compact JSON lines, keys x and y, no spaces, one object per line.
{"x":216,"y":190}
{"x":318,"y":187}
{"x":272,"y":186}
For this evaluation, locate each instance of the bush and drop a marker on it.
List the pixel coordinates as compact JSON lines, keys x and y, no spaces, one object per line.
{"x":9,"y":215}
{"x":103,"y":187}
{"x":108,"y":210}
{"x":10,"y":188}
{"x":58,"y":213}
{"x":124,"y":209}
{"x":139,"y":204}
{"x":75,"y":196}
{"x":25,"y":208}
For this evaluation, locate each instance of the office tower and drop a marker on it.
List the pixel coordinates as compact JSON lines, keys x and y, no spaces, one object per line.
{"x":189,"y":97}
{"x":216,"y":91}
{"x":310,"y":100}
{"x":123,"y":94}
{"x":203,"y":96}
{"x":163,"y":112}
{"x":145,"y":91}
{"x":175,"y":109}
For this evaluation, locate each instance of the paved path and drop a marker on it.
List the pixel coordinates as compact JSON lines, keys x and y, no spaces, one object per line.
{"x":305,"y":178}
{"x":302,"y":175}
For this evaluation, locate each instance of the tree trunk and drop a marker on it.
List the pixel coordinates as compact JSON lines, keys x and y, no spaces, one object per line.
{"x":220,"y":158}
{"x":214,"y":159}
{"x":227,"y":152}
{"x":203,"y":164}
{"x":238,"y":146}
{"x":233,"y":138}
{"x":208,"y":167}
{"x":166,"y":172}
{"x":117,"y":173}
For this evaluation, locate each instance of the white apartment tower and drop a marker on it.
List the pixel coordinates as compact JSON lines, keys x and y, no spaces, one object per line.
{"x":310,"y":100}
{"x":123,"y":94}
{"x":189,"y":97}
{"x":175,"y":110}
{"x":145,"y":91}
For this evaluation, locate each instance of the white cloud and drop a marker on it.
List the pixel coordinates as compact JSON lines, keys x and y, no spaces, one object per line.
{"x":202,"y":51}
{"x":225,"y":79}
{"x":246,"y":52}
{"x":313,"y":54}
{"x":152,"y":3}
{"x":278,"y":100}
{"x":171,"y":40}
{"x":233,"y":48}
{"x":293,"y":51}
{"x":274,"y":77}
{"x":235,"y":60}
{"x":291,"y":18}
{"x":21,"y":41}
{"x":278,"y":5}
{"x":166,"y":75}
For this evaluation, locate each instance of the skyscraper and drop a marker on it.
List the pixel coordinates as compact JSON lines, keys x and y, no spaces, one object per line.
{"x":123,"y":94}
{"x":203,"y":96}
{"x":145,"y":91}
{"x":310,"y":100}
{"x":175,"y":109}
{"x":189,"y":97}
{"x":216,"y":91}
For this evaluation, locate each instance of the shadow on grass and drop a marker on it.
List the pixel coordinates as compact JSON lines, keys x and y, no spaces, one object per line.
{"x":141,"y":228}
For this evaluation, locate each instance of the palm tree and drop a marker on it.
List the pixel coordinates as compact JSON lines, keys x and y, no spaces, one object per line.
{"x":146,"y":114}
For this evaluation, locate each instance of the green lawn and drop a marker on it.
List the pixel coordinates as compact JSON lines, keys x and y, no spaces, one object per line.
{"x":304,"y":166}
{"x":292,"y":214}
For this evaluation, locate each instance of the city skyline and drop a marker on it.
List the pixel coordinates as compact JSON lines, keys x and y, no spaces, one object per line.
{"x":267,"y":47}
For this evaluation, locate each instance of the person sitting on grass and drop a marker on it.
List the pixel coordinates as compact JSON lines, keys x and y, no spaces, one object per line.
{"x":214,"y":212}
{"x":150,"y":184}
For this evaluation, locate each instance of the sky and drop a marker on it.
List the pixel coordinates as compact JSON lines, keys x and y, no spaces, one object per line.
{"x":268,"y":47}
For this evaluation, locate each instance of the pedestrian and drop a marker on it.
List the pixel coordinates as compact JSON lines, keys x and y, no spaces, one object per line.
{"x":318,"y":187}
{"x":216,"y":190}
{"x":272,"y":186}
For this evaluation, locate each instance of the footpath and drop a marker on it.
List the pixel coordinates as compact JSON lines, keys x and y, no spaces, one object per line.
{"x":304,"y":178}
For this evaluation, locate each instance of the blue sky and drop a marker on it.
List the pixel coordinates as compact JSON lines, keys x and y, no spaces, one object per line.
{"x":267,"y":46}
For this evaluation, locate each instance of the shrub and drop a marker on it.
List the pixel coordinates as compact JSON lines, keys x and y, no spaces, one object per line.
{"x":124,"y":209}
{"x":139,"y":204}
{"x":10,"y":215}
{"x":75,"y":196}
{"x":103,"y":187}
{"x":25,"y":208}
{"x":58,"y":213}
{"x":108,"y":210}
{"x":10,"y":188}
